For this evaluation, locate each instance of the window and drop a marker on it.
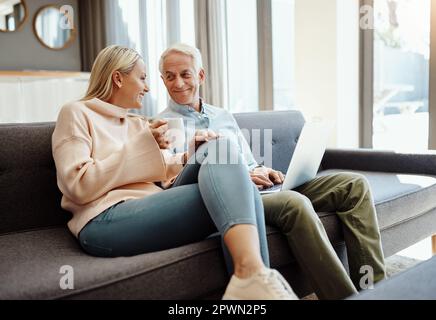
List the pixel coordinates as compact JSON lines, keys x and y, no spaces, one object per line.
{"x":242,"y":55}
{"x":187,"y":22}
{"x":130,"y":19}
{"x":156,"y":44}
{"x":150,"y":32}
{"x":10,"y":22}
{"x":283,"y":53}
{"x":260,"y":54}
{"x":401,"y":75}
{"x":167,"y":21}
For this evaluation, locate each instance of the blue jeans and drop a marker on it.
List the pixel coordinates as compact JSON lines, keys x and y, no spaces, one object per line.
{"x":204,"y":199}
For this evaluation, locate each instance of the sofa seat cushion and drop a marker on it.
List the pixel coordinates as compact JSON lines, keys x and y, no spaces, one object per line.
{"x":398,"y":197}
{"x":30,"y":265}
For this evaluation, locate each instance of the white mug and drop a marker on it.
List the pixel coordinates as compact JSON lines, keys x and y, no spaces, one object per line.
{"x":176,"y":133}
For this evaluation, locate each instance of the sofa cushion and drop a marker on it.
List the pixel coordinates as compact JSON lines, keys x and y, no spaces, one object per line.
{"x":30,"y":197}
{"x":398,"y":197}
{"x":31,"y":261}
{"x":30,"y":265}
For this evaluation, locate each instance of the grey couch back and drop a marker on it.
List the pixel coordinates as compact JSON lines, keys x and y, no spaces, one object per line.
{"x":285,"y":126}
{"x":29,"y":196}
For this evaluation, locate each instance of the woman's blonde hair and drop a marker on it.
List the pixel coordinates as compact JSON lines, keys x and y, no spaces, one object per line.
{"x":110,"y":59}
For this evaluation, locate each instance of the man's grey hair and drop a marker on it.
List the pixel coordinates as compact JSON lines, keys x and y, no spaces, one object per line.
{"x":182,"y":48}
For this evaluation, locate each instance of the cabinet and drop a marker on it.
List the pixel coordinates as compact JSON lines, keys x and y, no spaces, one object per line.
{"x":37,"y":96}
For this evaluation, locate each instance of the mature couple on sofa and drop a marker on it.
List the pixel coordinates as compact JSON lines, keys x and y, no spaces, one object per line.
{"x":109,"y":164}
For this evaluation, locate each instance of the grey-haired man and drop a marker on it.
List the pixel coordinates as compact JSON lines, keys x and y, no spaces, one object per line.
{"x":292,"y":212}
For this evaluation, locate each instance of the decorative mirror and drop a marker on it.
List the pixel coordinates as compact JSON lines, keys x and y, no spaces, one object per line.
{"x":53,"y":28}
{"x":13,"y":13}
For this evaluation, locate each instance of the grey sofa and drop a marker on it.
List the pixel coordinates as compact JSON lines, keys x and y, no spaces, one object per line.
{"x":417,"y":283}
{"x":35,"y":243}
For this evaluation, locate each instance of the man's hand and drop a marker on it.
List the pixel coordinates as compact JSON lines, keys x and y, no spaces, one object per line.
{"x":266,"y":177}
{"x":158,"y":129}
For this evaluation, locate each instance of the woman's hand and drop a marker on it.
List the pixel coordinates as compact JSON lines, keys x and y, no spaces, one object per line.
{"x":202,"y":136}
{"x":158,"y":129}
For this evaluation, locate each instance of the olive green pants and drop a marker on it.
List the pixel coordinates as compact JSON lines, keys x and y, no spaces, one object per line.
{"x":294,"y":214}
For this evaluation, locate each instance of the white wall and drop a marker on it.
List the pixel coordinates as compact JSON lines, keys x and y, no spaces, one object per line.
{"x":327,"y":65}
{"x":26,"y":99}
{"x":348,"y":73}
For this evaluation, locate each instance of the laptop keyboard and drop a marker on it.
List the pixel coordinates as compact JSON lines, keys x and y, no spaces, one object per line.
{"x":274,"y":188}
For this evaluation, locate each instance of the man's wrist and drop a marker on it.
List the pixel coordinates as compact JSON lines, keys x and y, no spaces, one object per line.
{"x":259,"y":165}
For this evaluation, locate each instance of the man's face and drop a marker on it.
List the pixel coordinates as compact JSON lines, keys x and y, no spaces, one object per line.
{"x":181,"y":79}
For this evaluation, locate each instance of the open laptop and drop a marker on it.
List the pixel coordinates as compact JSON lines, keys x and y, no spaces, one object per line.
{"x":307,"y":156}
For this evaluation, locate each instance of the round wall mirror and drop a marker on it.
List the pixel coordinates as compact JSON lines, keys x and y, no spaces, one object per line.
{"x":13,"y":13}
{"x":52,"y":28}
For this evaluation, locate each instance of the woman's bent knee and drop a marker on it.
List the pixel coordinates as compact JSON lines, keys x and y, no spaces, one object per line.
{"x":219,"y":151}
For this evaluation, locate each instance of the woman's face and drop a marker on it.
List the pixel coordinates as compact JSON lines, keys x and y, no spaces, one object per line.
{"x":131,"y":88}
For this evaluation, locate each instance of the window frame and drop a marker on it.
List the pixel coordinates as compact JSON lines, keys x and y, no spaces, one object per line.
{"x":367,"y":82}
{"x":265,"y":55}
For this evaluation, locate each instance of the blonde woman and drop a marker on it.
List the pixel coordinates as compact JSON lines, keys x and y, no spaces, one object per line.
{"x":109,"y":161}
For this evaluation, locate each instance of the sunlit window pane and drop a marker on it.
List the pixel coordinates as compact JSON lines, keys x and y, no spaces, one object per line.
{"x":187,"y":22}
{"x":130,"y":24}
{"x":401,"y":74}
{"x":242,"y":55}
{"x":283,"y":53}
{"x":156,"y":32}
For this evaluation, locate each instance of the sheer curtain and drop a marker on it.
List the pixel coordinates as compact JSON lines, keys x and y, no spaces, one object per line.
{"x":242,"y":55}
{"x":226,"y":32}
{"x":150,"y":27}
{"x":147,"y":26}
{"x":124,"y":27}
{"x":212,"y":41}
{"x":165,"y":22}
{"x":117,"y":26}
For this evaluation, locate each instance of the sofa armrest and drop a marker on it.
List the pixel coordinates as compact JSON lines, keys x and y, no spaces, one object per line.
{"x":384,"y":161}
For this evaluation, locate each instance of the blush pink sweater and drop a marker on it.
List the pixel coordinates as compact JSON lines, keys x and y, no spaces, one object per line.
{"x":104,"y":155}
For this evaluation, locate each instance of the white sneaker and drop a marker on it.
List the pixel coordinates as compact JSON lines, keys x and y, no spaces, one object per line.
{"x":266,"y":285}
